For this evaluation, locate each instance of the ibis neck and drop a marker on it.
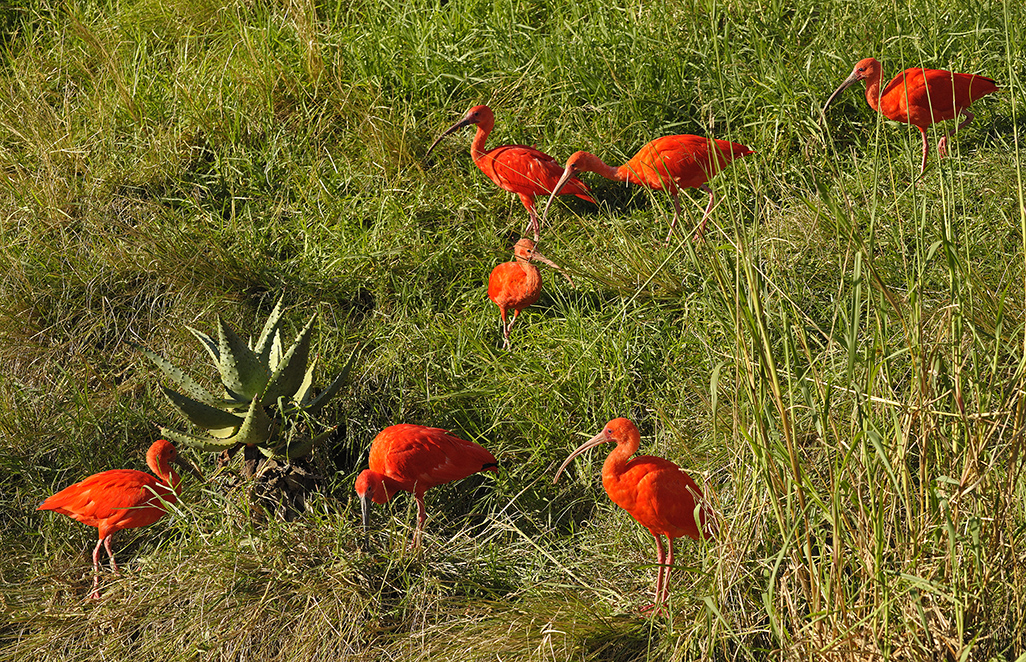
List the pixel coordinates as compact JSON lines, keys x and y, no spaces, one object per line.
{"x":167,"y":475}
{"x":531,"y":273}
{"x":873,"y":93}
{"x":173,"y":480}
{"x":614,"y":470}
{"x":588,"y":162}
{"x":616,"y":174}
{"x":477,"y":147}
{"x":392,"y":486}
{"x":616,"y":462}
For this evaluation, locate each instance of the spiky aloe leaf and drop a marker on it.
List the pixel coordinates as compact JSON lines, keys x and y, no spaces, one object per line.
{"x":258,"y":428}
{"x":241,"y":372}
{"x":176,"y":375}
{"x":276,"y":350}
{"x":208,"y":344}
{"x":262,"y":349}
{"x":217,"y":422}
{"x":333,"y":388}
{"x":301,"y":448}
{"x":302,"y":394}
{"x":208,"y":444}
{"x":289,"y":374}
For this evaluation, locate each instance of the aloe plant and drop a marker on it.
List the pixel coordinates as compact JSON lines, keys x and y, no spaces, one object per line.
{"x":268,"y":400}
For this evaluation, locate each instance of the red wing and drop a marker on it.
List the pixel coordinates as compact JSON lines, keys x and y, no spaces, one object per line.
{"x":521,"y":169}
{"x":924,"y":96}
{"x":676,"y":503}
{"x":105,"y":495}
{"x":665,"y":497}
{"x":431,"y":456}
{"x":499,"y":283}
{"x":932,"y":89}
{"x":683,"y":159}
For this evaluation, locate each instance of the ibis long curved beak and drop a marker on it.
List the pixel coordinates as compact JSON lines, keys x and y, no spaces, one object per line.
{"x":190,"y":467}
{"x":365,"y":517}
{"x":568,"y":172}
{"x":845,"y":85}
{"x":535,"y":255}
{"x":600,"y":438}
{"x":466,"y":121}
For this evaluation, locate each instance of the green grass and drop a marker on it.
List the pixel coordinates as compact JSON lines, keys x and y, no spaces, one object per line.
{"x":842,"y":365}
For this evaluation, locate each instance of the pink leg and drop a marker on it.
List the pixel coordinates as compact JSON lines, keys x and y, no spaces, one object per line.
{"x":113,"y":564}
{"x":942,"y":146}
{"x":96,"y":568}
{"x":505,"y":329}
{"x":666,"y":579}
{"x":676,"y":214}
{"x":926,"y":150}
{"x":533,"y":215}
{"x":421,"y":517}
{"x":516,"y":313}
{"x":661,"y":561}
{"x":705,"y":215}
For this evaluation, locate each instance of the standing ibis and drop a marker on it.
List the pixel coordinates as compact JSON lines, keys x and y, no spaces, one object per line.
{"x":656,"y":492}
{"x":517,"y":285}
{"x":122,"y":499}
{"x":518,"y":169}
{"x":919,"y":97}
{"x":666,"y":164}
{"x":415,"y":458}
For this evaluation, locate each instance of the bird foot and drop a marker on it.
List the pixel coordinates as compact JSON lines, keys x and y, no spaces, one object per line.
{"x":652,"y":610}
{"x":699,"y":236}
{"x":534,"y":228}
{"x":942,"y":147}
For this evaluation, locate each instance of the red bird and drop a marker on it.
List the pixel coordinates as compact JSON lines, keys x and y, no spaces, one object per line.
{"x":919,"y":97}
{"x":121,"y":499}
{"x":415,"y":458}
{"x":656,"y":492}
{"x":517,"y":284}
{"x":515,"y":168}
{"x":665,"y":164}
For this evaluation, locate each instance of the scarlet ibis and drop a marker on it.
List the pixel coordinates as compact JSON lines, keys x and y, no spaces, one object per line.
{"x":919,"y":97}
{"x":665,"y":164}
{"x":518,"y":169}
{"x":655,"y":491}
{"x":122,"y":499}
{"x":416,"y":458}
{"x":517,"y":285}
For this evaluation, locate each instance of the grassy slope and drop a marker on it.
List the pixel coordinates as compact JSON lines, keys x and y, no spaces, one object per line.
{"x":842,"y":363}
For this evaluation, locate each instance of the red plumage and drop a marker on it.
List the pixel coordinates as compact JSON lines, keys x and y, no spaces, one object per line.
{"x":120,"y":499}
{"x":666,"y":164}
{"x":525,"y":171}
{"x":517,"y":285}
{"x":656,"y":492}
{"x":415,"y":458}
{"x":682,"y":161}
{"x":920,"y":97}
